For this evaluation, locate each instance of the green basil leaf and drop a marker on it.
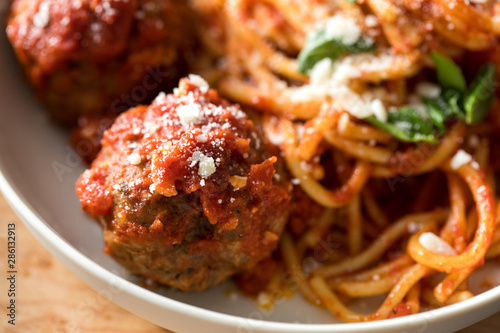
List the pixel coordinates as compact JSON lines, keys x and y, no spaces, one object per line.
{"x":446,"y":106}
{"x":438,"y":112}
{"x":453,"y":100}
{"x":351,"y":1}
{"x":319,"y":46}
{"x":406,"y":124}
{"x":478,"y":99}
{"x":448,"y":73}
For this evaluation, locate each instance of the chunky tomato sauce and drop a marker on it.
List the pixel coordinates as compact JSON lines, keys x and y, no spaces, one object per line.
{"x":188,"y":143}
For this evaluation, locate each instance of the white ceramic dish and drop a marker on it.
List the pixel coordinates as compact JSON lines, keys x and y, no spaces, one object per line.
{"x":37,"y":175}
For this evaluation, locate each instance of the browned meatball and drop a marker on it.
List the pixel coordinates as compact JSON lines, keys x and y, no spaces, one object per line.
{"x":89,"y":57}
{"x":186,"y":189}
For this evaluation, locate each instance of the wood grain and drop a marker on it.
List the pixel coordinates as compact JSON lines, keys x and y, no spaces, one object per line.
{"x":50,"y":299}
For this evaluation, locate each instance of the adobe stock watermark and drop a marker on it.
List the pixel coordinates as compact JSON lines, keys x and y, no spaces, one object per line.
{"x":94,"y":305}
{"x":321,"y":253}
{"x":410,"y":165}
{"x":480,"y":96}
{"x":74,"y":156}
{"x":255,"y":320}
{"x":139,"y":94}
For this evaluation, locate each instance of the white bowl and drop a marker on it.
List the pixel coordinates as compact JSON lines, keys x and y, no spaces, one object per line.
{"x":38,"y":170}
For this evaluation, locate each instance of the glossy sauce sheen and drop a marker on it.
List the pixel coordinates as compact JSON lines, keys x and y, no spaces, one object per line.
{"x":160,"y":148}
{"x":52,"y":32}
{"x":103,"y":56}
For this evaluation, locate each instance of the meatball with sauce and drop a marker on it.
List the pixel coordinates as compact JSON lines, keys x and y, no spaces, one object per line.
{"x":94,"y":57}
{"x":187,"y":189}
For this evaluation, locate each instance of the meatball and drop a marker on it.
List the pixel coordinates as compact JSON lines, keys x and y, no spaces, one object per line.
{"x":90,"y":57}
{"x":187,"y":189}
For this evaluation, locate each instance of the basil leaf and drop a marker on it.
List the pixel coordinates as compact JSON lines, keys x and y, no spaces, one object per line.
{"x":406,"y":124}
{"x":446,"y":106}
{"x":477,"y":101}
{"x":351,"y":1}
{"x":319,"y":46}
{"x":453,"y":100}
{"x":448,"y":73}
{"x":438,"y":112}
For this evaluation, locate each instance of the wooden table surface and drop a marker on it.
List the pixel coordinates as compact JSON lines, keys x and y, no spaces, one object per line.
{"x":50,"y":299}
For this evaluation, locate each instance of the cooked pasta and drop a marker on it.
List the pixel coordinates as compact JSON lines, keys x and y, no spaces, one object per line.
{"x":379,"y":127}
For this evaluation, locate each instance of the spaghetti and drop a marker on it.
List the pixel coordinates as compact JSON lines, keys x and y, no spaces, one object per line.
{"x":338,"y":127}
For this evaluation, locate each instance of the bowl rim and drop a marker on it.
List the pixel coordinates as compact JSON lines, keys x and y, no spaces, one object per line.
{"x":65,"y":252}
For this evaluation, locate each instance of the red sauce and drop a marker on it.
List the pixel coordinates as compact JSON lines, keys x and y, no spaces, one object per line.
{"x":304,"y":210}
{"x":101,"y":56}
{"x":86,"y":138}
{"x":400,"y":310}
{"x":58,"y":30}
{"x":91,"y":189}
{"x":190,"y":142}
{"x":252,"y":282}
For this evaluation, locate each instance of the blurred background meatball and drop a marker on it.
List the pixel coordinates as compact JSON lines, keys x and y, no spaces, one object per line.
{"x":187,"y":189}
{"x":95,"y":57}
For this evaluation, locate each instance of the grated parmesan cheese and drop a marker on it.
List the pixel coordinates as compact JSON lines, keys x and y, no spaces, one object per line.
{"x":328,"y":79}
{"x":65,"y":21}
{"x":481,"y":189}
{"x":264,"y":300}
{"x":343,"y":122}
{"x":201,"y":138}
{"x":134,"y":159}
{"x":161,"y":96}
{"x":343,"y":28}
{"x":371,"y":21}
{"x":435,"y":244}
{"x":344,"y":71}
{"x":200,"y":82}
{"x":42,"y":18}
{"x":190,"y":114}
{"x":428,"y":89}
{"x":378,"y":110}
{"x":322,"y":71}
{"x":459,"y":159}
{"x":206,"y":164}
